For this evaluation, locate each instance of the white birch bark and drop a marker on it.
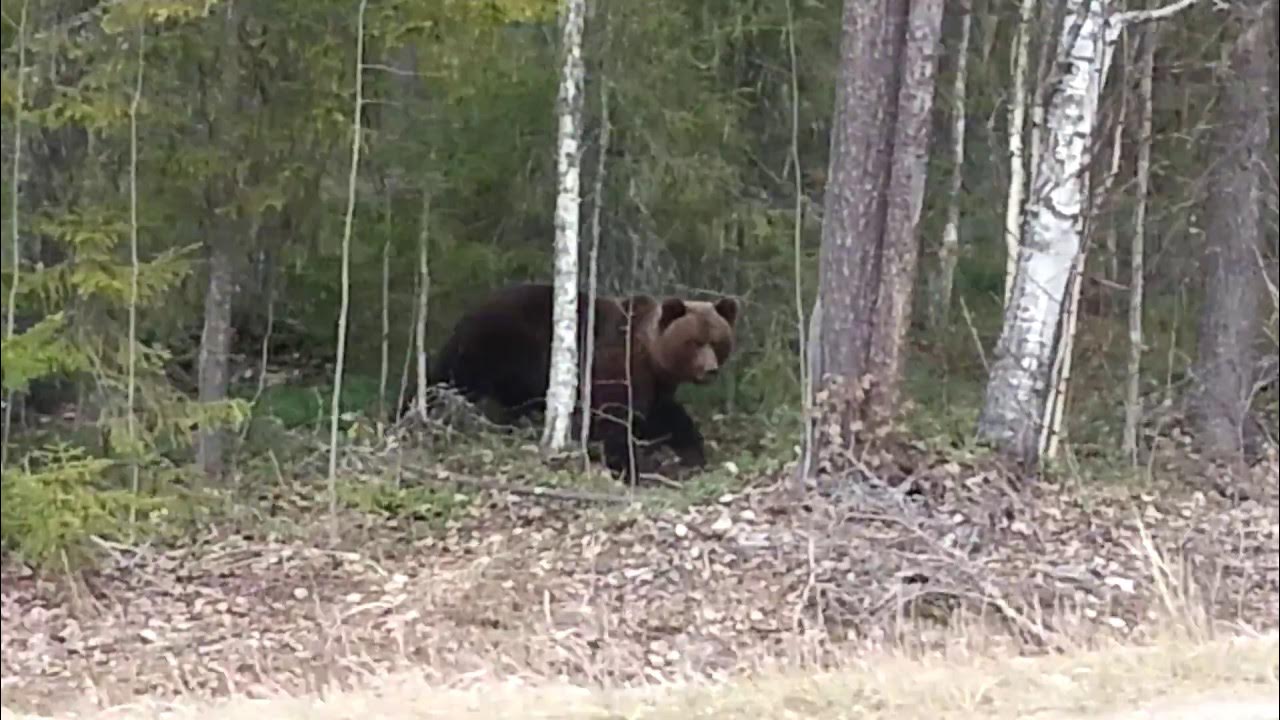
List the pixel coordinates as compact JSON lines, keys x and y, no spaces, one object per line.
{"x":949,"y":252}
{"x":1018,"y":399}
{"x":1060,"y":377}
{"x":1133,"y":378}
{"x":1012,"y":412}
{"x":562,"y":383}
{"x":424,"y":291}
{"x":1017,"y":162}
{"x":1051,"y":435}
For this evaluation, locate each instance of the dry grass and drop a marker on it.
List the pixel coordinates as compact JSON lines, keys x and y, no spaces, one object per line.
{"x":1174,"y":679}
{"x":754,"y":604}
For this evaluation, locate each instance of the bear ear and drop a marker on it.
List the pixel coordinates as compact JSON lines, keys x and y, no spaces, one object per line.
{"x":640,"y":307}
{"x":727,"y":307}
{"x":673,"y":309}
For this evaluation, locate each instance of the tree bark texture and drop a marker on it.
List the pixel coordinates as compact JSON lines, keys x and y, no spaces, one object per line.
{"x":562,"y":384}
{"x":908,"y":172}
{"x":949,"y":250}
{"x":215,"y":349}
{"x":1017,"y":154}
{"x":1138,"y":251}
{"x":1229,"y":320}
{"x":225,"y":232}
{"x":1014,"y":405}
{"x":874,"y":191}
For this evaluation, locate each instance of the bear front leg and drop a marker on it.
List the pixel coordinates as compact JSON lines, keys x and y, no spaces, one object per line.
{"x":669,"y":418}
{"x":609,"y":425}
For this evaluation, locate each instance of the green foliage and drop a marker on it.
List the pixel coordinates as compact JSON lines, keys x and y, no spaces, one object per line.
{"x":93,"y":270}
{"x":297,"y":406}
{"x":244,"y":135}
{"x":39,"y":352}
{"x":426,"y":504}
{"x":55,"y":502}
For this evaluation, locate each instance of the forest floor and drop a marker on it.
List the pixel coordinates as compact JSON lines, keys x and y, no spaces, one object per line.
{"x":935,"y":587}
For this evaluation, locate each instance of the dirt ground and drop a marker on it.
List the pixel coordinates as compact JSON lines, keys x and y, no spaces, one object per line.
{"x":767,"y":601}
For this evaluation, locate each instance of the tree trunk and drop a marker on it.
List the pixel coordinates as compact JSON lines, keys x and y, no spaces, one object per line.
{"x":1137,"y":251}
{"x":1103,"y":195}
{"x":593,"y":255}
{"x":874,"y":191}
{"x":134,"y":268}
{"x":1018,"y":399}
{"x":1229,"y":319}
{"x":424,"y":297}
{"x":215,"y":347}
{"x":344,"y":288}
{"x":854,"y":203}
{"x":1014,"y":406}
{"x":949,"y":251}
{"x":1017,"y":162}
{"x":905,"y":196}
{"x":224,"y":231}
{"x":563,"y":381}
{"x":384,"y":339}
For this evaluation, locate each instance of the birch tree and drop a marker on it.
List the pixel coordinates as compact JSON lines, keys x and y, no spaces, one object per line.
{"x":424,"y":294}
{"x":563,"y":381}
{"x":344,"y":302}
{"x":1230,"y":317}
{"x":949,"y":251}
{"x":1017,"y":159}
{"x":1138,"y":249}
{"x":875,"y":188}
{"x":1019,"y":399}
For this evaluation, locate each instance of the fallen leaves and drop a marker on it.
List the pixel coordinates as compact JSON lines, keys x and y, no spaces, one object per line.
{"x":525,"y":585}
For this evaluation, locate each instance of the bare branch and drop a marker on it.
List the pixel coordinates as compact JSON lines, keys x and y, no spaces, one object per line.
{"x":1152,"y":14}
{"x":392,"y":70}
{"x":348,"y":220}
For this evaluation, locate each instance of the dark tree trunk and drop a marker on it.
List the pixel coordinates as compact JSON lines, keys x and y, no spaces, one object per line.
{"x":875,"y":185}
{"x":225,"y":231}
{"x":909,"y":170}
{"x":215,"y":349}
{"x":1230,"y":319}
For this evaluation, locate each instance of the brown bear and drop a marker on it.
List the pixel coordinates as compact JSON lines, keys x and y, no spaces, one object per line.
{"x":501,"y":349}
{"x":675,"y":342}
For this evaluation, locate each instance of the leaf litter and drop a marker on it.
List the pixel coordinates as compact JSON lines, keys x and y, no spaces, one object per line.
{"x":919,"y":551}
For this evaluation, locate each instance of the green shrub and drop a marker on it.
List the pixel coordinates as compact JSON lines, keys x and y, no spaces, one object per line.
{"x":55,"y":502}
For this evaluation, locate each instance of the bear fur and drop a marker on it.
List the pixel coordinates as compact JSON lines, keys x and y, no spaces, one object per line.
{"x":675,"y":342}
{"x":501,"y":349}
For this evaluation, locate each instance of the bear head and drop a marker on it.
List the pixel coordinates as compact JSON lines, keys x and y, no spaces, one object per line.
{"x":690,"y":340}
